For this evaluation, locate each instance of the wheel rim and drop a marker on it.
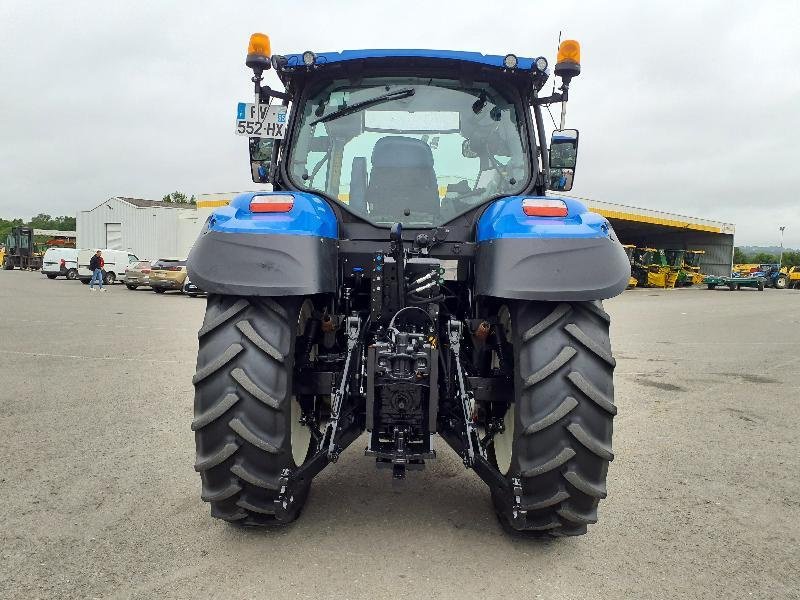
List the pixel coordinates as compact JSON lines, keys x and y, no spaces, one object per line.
{"x":300,"y":434}
{"x":504,"y":442}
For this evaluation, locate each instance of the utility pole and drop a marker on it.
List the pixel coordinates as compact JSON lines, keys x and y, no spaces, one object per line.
{"x":780,"y":260}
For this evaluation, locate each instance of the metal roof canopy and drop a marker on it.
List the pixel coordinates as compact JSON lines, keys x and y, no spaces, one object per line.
{"x":55,"y":233}
{"x":659,"y":218}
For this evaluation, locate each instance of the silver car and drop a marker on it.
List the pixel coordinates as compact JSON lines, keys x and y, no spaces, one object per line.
{"x":138,"y":274}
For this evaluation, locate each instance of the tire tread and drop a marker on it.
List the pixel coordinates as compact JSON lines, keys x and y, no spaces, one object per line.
{"x":564,"y":413}
{"x":242,"y":407}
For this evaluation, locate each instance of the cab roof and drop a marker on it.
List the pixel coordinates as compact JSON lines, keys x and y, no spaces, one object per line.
{"x":491,"y":60}
{"x":291,"y":67}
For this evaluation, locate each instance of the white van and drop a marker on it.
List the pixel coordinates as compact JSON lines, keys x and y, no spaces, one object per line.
{"x":60,"y":262}
{"x":116,"y":261}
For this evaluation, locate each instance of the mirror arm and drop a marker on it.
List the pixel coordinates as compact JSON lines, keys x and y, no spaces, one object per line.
{"x":550,"y":99}
{"x":561,"y":96}
{"x":264,"y":93}
{"x":267,"y":93}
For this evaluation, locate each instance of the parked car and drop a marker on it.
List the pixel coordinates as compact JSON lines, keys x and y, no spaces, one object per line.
{"x":116,"y":261}
{"x":138,"y":274}
{"x":168,"y":274}
{"x":60,"y":262}
{"x":191,"y":289}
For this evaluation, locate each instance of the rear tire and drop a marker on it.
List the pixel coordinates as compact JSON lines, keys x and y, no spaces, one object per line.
{"x":72,"y":274}
{"x":109,"y":278}
{"x":130,"y":287}
{"x":8,"y":265}
{"x":562,"y":418}
{"x":780,"y":282}
{"x":711,"y":286}
{"x":51,"y":276}
{"x":732,"y":287}
{"x":159,"y":290}
{"x":246,"y":418}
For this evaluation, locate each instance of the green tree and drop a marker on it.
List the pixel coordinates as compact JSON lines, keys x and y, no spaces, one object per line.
{"x":65,"y":223}
{"x":179,"y":198}
{"x":5,"y":228}
{"x":764,"y":258}
{"x":791,"y":258}
{"x":740,"y":257}
{"x":42,"y":221}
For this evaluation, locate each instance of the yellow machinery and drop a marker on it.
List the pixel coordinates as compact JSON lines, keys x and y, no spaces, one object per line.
{"x":794,"y":278}
{"x":688,"y":267}
{"x":691,"y":263}
{"x":745,"y":268}
{"x":674,"y":260}
{"x":650,"y":268}
{"x":629,"y":248}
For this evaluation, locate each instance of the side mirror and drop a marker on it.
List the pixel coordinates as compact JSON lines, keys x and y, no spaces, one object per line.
{"x":261,"y":150}
{"x":563,"y":158}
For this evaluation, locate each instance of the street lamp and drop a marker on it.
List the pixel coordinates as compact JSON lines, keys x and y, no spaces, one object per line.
{"x":780,"y":260}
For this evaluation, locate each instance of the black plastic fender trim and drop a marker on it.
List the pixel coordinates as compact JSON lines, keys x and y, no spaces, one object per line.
{"x":254,"y":264}
{"x":569,"y":269}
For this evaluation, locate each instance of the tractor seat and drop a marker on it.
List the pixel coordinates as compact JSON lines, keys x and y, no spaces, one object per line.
{"x":402,"y":178}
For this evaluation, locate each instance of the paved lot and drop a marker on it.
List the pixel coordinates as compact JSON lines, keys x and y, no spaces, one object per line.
{"x":99,"y":498}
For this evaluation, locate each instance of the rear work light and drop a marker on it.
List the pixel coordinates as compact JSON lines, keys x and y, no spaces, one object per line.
{"x":274,"y":203}
{"x":541,"y":207}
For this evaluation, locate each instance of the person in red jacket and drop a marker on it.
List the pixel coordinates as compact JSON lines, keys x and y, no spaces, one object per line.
{"x":96,"y":265}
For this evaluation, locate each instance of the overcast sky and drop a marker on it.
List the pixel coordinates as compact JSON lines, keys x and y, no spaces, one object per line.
{"x":693,"y":110}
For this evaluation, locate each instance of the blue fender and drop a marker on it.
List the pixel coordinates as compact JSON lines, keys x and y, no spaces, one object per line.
{"x":243,"y":253}
{"x":310,"y":215}
{"x":572,"y":258}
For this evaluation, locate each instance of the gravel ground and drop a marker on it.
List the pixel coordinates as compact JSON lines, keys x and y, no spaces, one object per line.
{"x":100,"y":499}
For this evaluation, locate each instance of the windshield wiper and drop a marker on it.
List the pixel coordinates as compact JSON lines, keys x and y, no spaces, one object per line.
{"x":347,"y":110}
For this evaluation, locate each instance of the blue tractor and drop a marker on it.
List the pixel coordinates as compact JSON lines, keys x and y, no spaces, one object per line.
{"x":408,"y":280}
{"x":774,"y":275}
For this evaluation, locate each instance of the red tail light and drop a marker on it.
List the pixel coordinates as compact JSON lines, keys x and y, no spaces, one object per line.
{"x":543,"y":207}
{"x":272,"y":203}
{"x":63,"y":262}
{"x":145,"y":271}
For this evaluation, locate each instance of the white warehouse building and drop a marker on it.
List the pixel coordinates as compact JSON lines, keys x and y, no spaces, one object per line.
{"x":150,"y":229}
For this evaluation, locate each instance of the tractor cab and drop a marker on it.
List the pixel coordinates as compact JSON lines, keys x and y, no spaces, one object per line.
{"x":416,"y":137}
{"x":689,"y":273}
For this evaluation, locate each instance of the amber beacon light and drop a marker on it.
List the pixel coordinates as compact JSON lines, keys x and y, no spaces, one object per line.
{"x":568,"y":62}
{"x":258,"y":52}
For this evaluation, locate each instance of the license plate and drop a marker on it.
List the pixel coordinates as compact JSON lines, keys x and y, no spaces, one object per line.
{"x":260,"y":120}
